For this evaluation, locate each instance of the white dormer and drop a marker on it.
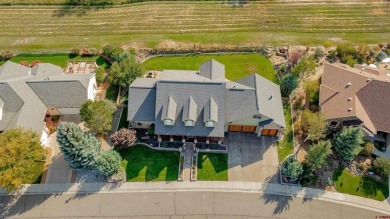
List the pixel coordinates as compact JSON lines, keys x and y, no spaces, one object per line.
{"x":211,"y":113}
{"x":169,"y":112}
{"x":190,"y":110}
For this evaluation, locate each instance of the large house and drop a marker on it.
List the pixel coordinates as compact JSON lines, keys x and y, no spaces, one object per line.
{"x":357,"y":96}
{"x":28,"y":95}
{"x":202,"y":105}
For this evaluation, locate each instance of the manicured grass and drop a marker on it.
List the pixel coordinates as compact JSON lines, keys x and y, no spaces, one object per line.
{"x":57,"y":59}
{"x":143,"y":164}
{"x":123,"y":123}
{"x":345,"y":182}
{"x":205,"y":23}
{"x":212,"y":167}
{"x":286,"y":145}
{"x":236,"y":65}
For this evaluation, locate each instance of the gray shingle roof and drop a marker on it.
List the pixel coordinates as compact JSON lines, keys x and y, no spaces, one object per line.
{"x":144,"y":82}
{"x":182,"y":76}
{"x":211,"y":111}
{"x":190,"y":110}
{"x":60,"y":93}
{"x":169,"y":109}
{"x":181,"y":92}
{"x":46,"y":69}
{"x":269,"y":98}
{"x":240,"y":104}
{"x":212,"y":70}
{"x":142,"y":103}
{"x":12,"y":105}
{"x":11,"y":70}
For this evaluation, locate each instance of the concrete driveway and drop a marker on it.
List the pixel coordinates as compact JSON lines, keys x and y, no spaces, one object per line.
{"x":252,"y":159}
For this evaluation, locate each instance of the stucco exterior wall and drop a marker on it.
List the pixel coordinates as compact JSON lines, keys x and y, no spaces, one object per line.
{"x":92,"y":88}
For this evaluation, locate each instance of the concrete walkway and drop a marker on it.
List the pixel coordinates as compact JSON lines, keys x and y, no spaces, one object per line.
{"x":188,"y":151}
{"x":81,"y":190}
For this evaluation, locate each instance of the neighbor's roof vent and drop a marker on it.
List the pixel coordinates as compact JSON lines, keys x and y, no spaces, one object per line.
{"x":349,"y":99}
{"x":270,"y":98}
{"x":348,"y":84}
{"x":349,"y":109}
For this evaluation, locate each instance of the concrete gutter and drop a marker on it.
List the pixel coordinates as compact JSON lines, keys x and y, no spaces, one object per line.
{"x":199,"y":186}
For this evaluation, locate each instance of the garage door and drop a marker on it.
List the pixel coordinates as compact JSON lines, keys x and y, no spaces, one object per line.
{"x":242,"y":128}
{"x":269,"y":132}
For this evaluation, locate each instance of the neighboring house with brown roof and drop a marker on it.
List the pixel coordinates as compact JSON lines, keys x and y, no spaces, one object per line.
{"x":357,"y":96}
{"x":202,"y":105}
{"x":28,"y":95}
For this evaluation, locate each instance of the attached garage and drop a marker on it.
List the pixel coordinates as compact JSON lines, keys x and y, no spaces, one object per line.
{"x":242,"y":128}
{"x":269,"y":132}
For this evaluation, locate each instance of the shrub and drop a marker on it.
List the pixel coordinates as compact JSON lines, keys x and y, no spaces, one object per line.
{"x":305,"y":66}
{"x":100,"y":75}
{"x":318,"y":53}
{"x":381,"y":55}
{"x":5,"y":55}
{"x":347,"y":53}
{"x":288,"y":84}
{"x":387,"y":51}
{"x":291,"y":168}
{"x":312,"y":89}
{"x":314,"y":124}
{"x":35,"y":62}
{"x":382,"y":167}
{"x":24,"y":63}
{"x":124,"y":138}
{"x":327,"y":44}
{"x":75,"y":52}
{"x":108,"y":50}
{"x":332,"y":56}
{"x":55,"y":118}
{"x":108,"y":163}
{"x":368,"y":148}
{"x":295,"y":56}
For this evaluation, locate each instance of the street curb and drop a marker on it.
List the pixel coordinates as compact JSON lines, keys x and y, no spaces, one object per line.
{"x":203,"y":186}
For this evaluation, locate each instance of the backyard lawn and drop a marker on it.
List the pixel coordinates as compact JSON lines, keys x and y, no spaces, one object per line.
{"x":286,"y":145}
{"x":57,"y":59}
{"x":237,"y":66}
{"x":345,"y":182}
{"x":212,"y":167}
{"x":143,"y":164}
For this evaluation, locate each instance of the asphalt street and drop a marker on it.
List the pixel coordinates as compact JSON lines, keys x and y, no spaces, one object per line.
{"x":175,"y":205}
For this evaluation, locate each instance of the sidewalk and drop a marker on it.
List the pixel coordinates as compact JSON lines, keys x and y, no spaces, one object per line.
{"x":238,"y":187}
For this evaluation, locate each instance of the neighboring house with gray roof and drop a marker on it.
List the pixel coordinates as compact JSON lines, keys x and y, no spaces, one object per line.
{"x":27,"y":95}
{"x":202,"y":105}
{"x":357,"y":96}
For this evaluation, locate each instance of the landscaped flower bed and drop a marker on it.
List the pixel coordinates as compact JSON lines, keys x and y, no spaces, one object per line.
{"x":213,"y":146}
{"x":175,"y":144}
{"x":181,"y":168}
{"x":194,"y":168}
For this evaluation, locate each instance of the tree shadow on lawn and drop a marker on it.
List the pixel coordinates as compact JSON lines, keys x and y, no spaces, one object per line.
{"x":81,"y":7}
{"x":142,"y":160}
{"x":218,"y":161}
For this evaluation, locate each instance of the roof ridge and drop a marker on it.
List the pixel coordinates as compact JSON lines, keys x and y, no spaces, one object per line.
{"x":331,"y":96}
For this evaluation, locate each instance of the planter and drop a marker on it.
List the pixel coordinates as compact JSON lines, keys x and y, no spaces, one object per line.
{"x":180,"y":175}
{"x":194,"y":168}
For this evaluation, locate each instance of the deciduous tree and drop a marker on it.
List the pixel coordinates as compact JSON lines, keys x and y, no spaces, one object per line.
{"x":20,"y":151}
{"x":124,"y":72}
{"x":305,"y":66}
{"x":98,"y":115}
{"x":314,"y":123}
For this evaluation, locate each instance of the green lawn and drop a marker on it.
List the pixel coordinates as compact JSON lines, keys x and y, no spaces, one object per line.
{"x":212,"y":167}
{"x":345,"y":182}
{"x":286,"y":145}
{"x":143,"y":164}
{"x":123,"y":123}
{"x":57,"y":59}
{"x":236,"y":65}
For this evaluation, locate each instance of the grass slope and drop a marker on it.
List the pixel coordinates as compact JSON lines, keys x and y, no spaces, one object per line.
{"x":236,"y":65}
{"x":212,"y":167}
{"x":286,"y":145}
{"x":206,"y":23}
{"x":345,"y":182}
{"x":143,"y":164}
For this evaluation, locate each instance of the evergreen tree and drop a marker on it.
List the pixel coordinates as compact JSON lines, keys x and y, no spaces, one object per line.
{"x":288,"y":84}
{"x":292,"y":168}
{"x":347,"y":142}
{"x":80,"y":148}
{"x":108,"y":162}
{"x":317,"y":154}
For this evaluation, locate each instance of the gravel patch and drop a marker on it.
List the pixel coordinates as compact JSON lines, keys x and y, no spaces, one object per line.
{"x":88,"y":176}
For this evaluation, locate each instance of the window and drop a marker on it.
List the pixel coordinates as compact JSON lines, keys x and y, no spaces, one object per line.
{"x":256,"y":117}
{"x":189,"y":123}
{"x":168,"y":122}
{"x":209,"y":124}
